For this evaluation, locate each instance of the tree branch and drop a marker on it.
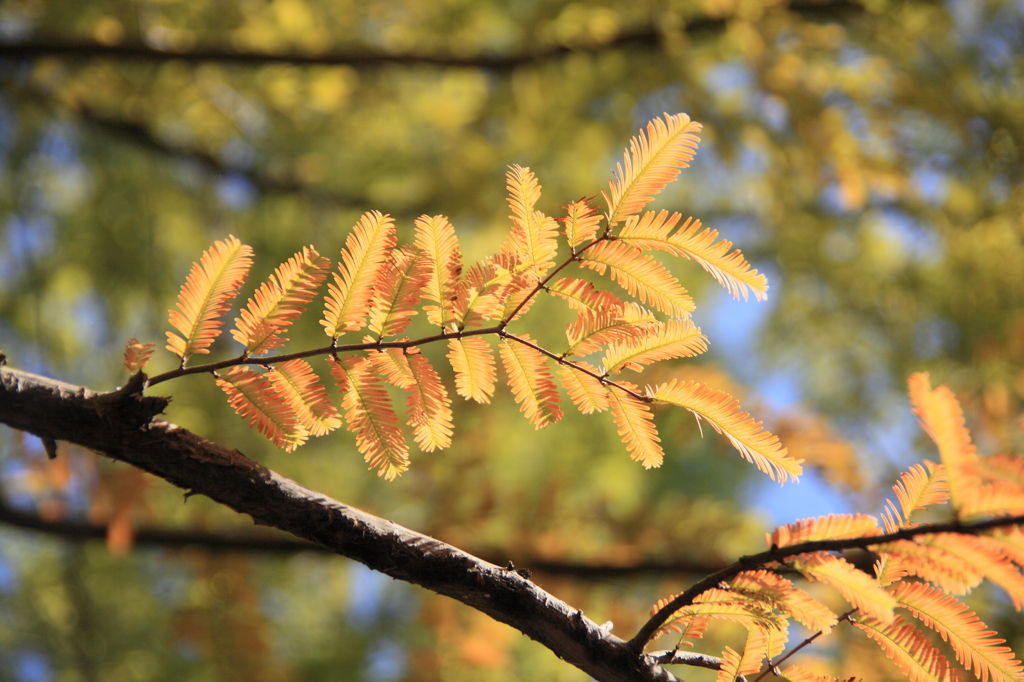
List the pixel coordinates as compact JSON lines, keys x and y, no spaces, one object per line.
{"x":646,"y":36}
{"x":121,"y":425}
{"x":265,"y":543}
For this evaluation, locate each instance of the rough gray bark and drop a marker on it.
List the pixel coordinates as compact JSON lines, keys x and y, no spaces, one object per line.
{"x":122,"y":425}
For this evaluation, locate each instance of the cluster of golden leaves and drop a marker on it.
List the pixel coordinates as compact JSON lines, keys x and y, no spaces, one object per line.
{"x":379,"y":285}
{"x":923,"y":576}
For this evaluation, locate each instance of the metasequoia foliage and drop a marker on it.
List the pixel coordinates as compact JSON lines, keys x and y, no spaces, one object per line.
{"x":380,"y":286}
{"x":920,"y":576}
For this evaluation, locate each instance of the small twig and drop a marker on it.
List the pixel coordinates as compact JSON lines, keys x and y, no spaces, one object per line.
{"x":773,"y":666}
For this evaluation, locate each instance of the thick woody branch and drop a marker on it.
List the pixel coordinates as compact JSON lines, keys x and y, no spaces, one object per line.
{"x":122,"y":425}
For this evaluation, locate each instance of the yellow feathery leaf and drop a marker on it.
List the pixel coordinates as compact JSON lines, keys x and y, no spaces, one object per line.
{"x":943,"y":421}
{"x":663,"y":341}
{"x":1002,"y":467}
{"x":797,"y":673}
{"x":636,"y":425}
{"x":581,"y":222}
{"x":393,"y":367}
{"x":640,"y":275}
{"x":688,"y":627}
{"x":831,"y":527}
{"x":484,"y":284}
{"x":211,"y":285}
{"x":280,"y":301}
{"x":430,"y":413}
{"x":929,"y":561}
{"x":651,"y":162}
{"x":754,"y":652}
{"x":366,"y":253}
{"x":521,"y":288}
{"x":534,"y":236}
{"x":731,"y":270}
{"x":857,"y":587}
{"x":986,"y":555}
{"x":731,"y":663}
{"x":723,"y":412}
{"x":531,"y":382}
{"x":582,"y":295}
{"x":590,"y":330}
{"x":909,"y":649}
{"x":586,"y":392}
{"x":1011,"y":543}
{"x":370,"y":416}
{"x":1001,"y":498}
{"x":299,"y":385}
{"x":727,"y":605}
{"x":973,"y":642}
{"x":137,"y":355}
{"x":436,"y":239}
{"x":397,"y":292}
{"x":788,"y":598}
{"x":473,"y":363}
{"x":916,"y":489}
{"x":254,"y":398}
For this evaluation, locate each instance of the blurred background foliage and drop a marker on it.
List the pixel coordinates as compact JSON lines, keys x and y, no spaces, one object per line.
{"x":866,"y":155}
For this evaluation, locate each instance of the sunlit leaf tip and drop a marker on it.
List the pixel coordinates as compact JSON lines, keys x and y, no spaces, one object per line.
{"x":724,"y":414}
{"x":137,"y":354}
{"x":653,"y":160}
{"x":211,"y":285}
{"x":364,"y":257}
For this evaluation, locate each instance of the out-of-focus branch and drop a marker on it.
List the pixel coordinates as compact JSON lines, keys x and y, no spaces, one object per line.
{"x":274,"y":544}
{"x":646,"y":37}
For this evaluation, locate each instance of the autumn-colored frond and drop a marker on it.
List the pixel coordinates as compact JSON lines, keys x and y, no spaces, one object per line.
{"x":392,"y":365}
{"x":280,"y":301}
{"x":581,"y":222}
{"x":975,"y":645}
{"x":640,"y":275}
{"x":297,"y":383}
{"x":652,"y":161}
{"x":636,"y":425}
{"x":909,"y":649}
{"x":211,"y":285}
{"x":655,"y":342}
{"x":929,"y":561}
{"x":985,"y":555}
{"x":475,"y":371}
{"x":654,"y":231}
{"x":370,"y":416}
{"x":253,"y":396}
{"x":366,"y":253}
{"x":436,"y":239}
{"x":786,"y":597}
{"x":590,"y":330}
{"x":1003,"y":467}
{"x":485,"y":284}
{"x":727,"y":605}
{"x":531,"y":382}
{"x":917,"y":488}
{"x":857,"y":587}
{"x":798,"y":673}
{"x":137,"y":355}
{"x":688,"y":627}
{"x":534,"y":236}
{"x":585,"y":391}
{"x":723,"y":412}
{"x":430,"y":413}
{"x":734,"y":665}
{"x":943,"y":420}
{"x":1011,"y":543}
{"x":582,"y":295}
{"x":831,"y":527}
{"x":397,"y":291}
{"x":1001,"y":498}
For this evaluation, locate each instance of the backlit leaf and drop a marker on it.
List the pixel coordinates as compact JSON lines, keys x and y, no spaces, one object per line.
{"x":366,"y":253}
{"x":640,"y":275}
{"x":636,"y":425}
{"x":253,"y":396}
{"x":531,"y":382}
{"x":475,"y":372}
